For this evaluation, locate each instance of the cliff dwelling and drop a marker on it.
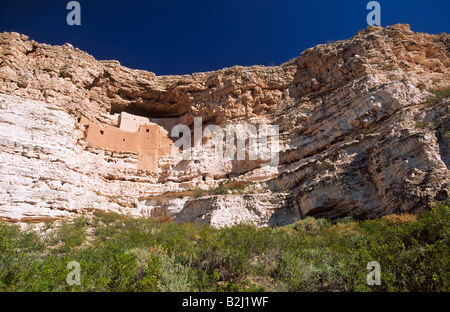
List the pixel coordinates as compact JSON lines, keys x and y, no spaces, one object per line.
{"x":134,"y":134}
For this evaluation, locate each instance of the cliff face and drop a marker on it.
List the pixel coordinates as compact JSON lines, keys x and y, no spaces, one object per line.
{"x":360,"y":132}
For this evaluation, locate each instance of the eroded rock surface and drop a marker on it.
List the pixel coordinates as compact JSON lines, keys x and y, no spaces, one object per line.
{"x":359,"y":132}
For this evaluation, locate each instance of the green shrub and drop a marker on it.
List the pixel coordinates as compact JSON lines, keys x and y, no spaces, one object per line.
{"x":413,"y":255}
{"x":313,"y":269}
{"x":151,"y":275}
{"x":197,"y":192}
{"x":118,"y":253}
{"x":310,"y":225}
{"x":175,"y":277}
{"x":438,"y":95}
{"x":219,"y":190}
{"x":424,"y":125}
{"x":71,"y":234}
{"x":128,"y":275}
{"x":369,"y":131}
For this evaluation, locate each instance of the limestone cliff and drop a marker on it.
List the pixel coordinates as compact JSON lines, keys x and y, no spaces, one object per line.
{"x":360,"y":132}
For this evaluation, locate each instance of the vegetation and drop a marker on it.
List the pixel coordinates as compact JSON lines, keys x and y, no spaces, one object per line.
{"x":369,"y":131}
{"x":197,"y":192}
{"x":219,"y":190}
{"x":424,"y":125}
{"x":233,"y":187}
{"x":117,"y":253}
{"x":438,"y":95}
{"x":323,"y":166}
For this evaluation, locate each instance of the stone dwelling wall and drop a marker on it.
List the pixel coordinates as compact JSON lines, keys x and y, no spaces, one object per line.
{"x":131,"y":123}
{"x":150,"y":141}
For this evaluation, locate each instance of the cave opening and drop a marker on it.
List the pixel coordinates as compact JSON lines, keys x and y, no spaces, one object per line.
{"x":149,"y":109}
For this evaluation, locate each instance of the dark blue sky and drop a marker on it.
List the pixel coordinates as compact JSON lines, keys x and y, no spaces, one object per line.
{"x":182,"y":37}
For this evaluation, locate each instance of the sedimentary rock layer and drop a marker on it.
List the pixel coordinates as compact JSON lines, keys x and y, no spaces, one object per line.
{"x":360,"y":132}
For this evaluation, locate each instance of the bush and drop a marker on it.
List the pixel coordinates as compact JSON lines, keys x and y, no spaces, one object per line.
{"x":413,"y":254}
{"x":175,"y":277}
{"x":117,"y":253}
{"x":197,"y":192}
{"x":424,"y":125}
{"x":369,"y":131}
{"x":310,"y":225}
{"x":438,"y":95}
{"x":219,"y":190}
{"x":71,"y":234}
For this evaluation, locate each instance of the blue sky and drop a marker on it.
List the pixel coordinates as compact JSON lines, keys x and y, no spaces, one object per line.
{"x":182,"y":37}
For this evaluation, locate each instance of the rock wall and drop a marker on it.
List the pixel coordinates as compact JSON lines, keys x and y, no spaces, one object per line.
{"x":361,"y":133}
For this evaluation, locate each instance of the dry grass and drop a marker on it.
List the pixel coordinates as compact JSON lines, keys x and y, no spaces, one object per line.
{"x":403,"y":218}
